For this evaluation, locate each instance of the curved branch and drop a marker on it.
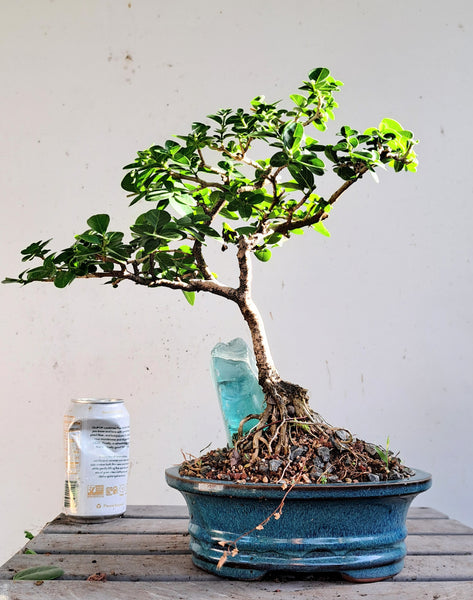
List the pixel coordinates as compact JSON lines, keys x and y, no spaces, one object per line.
{"x":283,"y":228}
{"x":195,"y":179}
{"x":200,"y":261}
{"x":242,"y":296}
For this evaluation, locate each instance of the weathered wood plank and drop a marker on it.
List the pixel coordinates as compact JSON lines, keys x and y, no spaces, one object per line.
{"x":437,"y":526}
{"x":120,"y":526}
{"x":117,"y":568}
{"x":161,"y":526}
{"x":168,"y":568}
{"x":424,"y":512}
{"x":223,"y":590}
{"x":146,"y":511}
{"x":437,"y":568}
{"x":439,"y":544}
{"x":63,"y":543}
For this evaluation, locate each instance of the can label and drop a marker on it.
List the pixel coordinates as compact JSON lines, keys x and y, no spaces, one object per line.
{"x":97,"y":436}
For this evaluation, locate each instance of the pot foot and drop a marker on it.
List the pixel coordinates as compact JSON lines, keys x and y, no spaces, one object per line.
{"x":373,"y":574}
{"x":237,"y":572}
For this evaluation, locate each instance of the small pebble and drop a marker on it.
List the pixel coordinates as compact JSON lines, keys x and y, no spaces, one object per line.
{"x":263,"y":468}
{"x":342,"y":434}
{"x":371,"y":449}
{"x":297,"y":451}
{"x":274,"y":465}
{"x":323,"y":453}
{"x":315,"y":473}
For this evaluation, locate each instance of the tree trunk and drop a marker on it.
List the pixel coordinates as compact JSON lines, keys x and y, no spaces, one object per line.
{"x":267,"y":371}
{"x":286,"y":403}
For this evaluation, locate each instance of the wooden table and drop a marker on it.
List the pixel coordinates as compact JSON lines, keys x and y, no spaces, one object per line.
{"x":145,"y":555}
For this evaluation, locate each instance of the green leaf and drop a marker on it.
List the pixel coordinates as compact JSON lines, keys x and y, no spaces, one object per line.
{"x":313,"y":163}
{"x":363,"y":155}
{"x":331,"y":154}
{"x":342,"y":146}
{"x":37,"y":274}
{"x":298,"y":99}
{"x":99,"y":223}
{"x":301,"y":174}
{"x":390,"y":124}
{"x":292,"y":135}
{"x":63,"y":278}
{"x":398,"y":166}
{"x":245,"y":211}
{"x":321,"y":229}
{"x":107,"y":266}
{"x":346,"y":173}
{"x":89,"y":237}
{"x":408,"y":135}
{"x":153,"y":220}
{"x":182,"y":203}
{"x":189,"y":296}
{"x":263,"y":254}
{"x":274,"y":239}
{"x":257,"y":101}
{"x":314,"y":146}
{"x":35,"y":249}
{"x":228,"y":214}
{"x":128,"y":182}
{"x":319,"y":75}
{"x":38,"y":574}
{"x":279,"y":159}
{"x":347,"y":131}
{"x":171,"y":232}
{"x":246,"y":230}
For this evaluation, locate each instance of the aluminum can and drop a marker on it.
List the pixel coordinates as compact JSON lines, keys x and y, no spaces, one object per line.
{"x":97,"y":439}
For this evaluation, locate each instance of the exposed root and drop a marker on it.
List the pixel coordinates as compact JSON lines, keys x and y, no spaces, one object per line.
{"x":286,"y":405}
{"x":292,"y":442}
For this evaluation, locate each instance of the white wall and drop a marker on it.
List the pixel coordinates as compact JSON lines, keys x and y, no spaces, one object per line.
{"x":376,"y":321}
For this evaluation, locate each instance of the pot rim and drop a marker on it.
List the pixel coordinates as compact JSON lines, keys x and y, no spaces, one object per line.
{"x":418,"y":482}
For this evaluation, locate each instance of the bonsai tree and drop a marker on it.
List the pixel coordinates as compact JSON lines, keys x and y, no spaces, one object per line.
{"x":247,"y":180}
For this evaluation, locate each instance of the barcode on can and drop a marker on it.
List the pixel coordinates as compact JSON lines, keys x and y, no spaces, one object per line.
{"x":71,"y":491}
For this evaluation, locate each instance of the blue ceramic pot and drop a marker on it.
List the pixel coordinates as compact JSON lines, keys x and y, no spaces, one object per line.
{"x":355,"y":529}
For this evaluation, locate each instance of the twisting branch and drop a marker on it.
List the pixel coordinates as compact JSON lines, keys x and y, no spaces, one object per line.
{"x":199,"y":180}
{"x":264,"y":361}
{"x":320,"y":215}
{"x":200,"y":261}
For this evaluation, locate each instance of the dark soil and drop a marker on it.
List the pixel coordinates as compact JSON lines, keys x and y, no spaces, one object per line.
{"x":330,"y":455}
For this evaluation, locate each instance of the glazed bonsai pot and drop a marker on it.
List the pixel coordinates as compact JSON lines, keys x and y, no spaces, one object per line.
{"x":356,"y":529}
